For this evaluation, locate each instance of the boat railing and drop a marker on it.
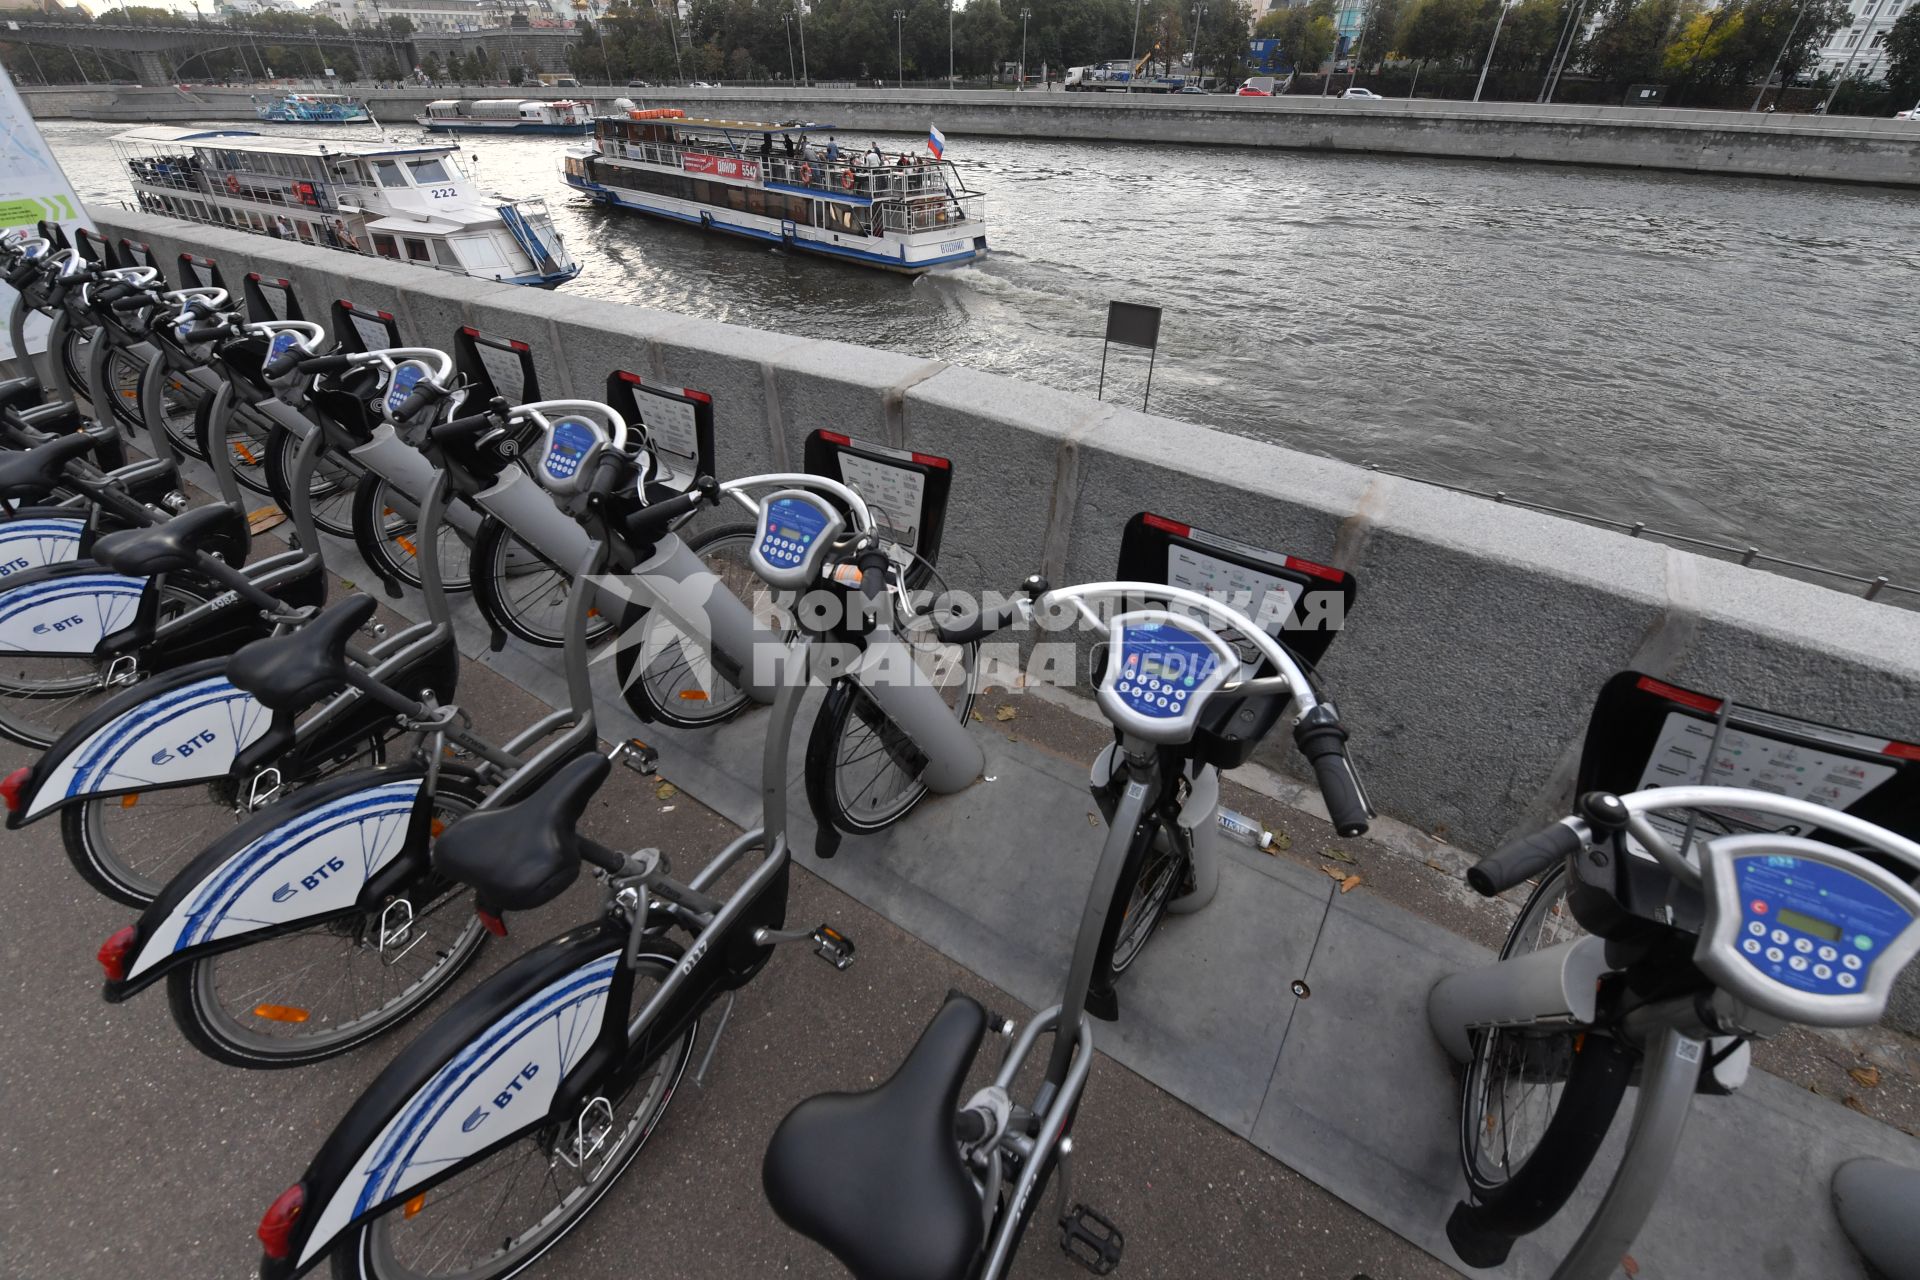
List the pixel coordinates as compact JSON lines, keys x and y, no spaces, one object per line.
{"x":187,"y":173}
{"x":932,"y":213}
{"x":876,"y":176}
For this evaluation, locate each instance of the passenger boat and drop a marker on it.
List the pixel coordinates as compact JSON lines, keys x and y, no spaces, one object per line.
{"x":894,"y":210}
{"x":506,"y":115}
{"x":409,"y":201}
{"x":313,"y":108}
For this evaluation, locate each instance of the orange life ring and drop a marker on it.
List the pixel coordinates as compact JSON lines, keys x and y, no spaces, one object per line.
{"x":233,"y":184}
{"x":846,"y":180}
{"x":806,"y":174}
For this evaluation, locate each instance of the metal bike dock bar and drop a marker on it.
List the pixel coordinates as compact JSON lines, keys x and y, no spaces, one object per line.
{"x":1345,"y":1085}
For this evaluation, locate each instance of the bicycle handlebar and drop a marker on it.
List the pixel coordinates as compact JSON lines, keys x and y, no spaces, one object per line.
{"x":655,"y":517}
{"x":325,"y":364}
{"x":989,"y":622}
{"x":1322,"y":739}
{"x":1523,"y":859}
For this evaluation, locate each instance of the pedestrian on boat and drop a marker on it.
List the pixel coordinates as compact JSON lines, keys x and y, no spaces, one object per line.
{"x":833,"y":150}
{"x":273,"y":228}
{"x":879,"y":156}
{"x":787,"y":138}
{"x":766,"y":147}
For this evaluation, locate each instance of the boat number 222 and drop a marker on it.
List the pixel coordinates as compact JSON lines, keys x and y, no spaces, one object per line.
{"x":441,"y":193}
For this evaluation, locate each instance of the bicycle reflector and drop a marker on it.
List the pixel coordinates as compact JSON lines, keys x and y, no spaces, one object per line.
{"x":114,"y":954}
{"x":12,"y":785}
{"x":276,"y":1224}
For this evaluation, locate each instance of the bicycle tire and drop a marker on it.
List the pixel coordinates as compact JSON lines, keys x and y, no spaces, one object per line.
{"x":358,"y":1256}
{"x":1154,"y":870}
{"x":180,"y":403}
{"x":331,"y":493}
{"x":671,"y":693}
{"x":828,"y":771}
{"x":192,"y":997}
{"x":1591,"y":1068}
{"x":245,"y":445}
{"x":73,"y":361}
{"x":112,"y":874}
{"x":383,"y":538}
{"x":496,"y":549}
{"x":124,"y":375}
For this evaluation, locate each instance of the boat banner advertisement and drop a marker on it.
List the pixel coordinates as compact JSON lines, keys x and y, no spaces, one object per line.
{"x":32,"y":187}
{"x":720,"y":166}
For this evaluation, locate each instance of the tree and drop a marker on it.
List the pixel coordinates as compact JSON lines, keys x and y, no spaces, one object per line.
{"x":1529,"y":35}
{"x":1903,"y":57}
{"x":1444,"y":31}
{"x":1629,"y":43}
{"x":1306,"y":33}
{"x":1223,"y":37}
{"x":400,"y":25}
{"x":1378,"y":31}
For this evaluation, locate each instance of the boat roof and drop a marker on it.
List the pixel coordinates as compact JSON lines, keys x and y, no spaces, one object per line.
{"x":738,"y":126}
{"x":247,"y":140}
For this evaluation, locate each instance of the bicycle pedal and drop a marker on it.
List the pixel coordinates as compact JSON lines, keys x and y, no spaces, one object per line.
{"x":834,"y":947}
{"x":637,"y":756}
{"x":1091,"y":1240}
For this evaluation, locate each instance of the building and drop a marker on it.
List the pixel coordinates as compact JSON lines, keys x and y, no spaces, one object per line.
{"x":425,"y":15}
{"x":1860,"y":47}
{"x":1348,"y":18}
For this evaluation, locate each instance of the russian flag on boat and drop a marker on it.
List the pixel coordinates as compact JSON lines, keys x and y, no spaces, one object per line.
{"x":936,"y":141}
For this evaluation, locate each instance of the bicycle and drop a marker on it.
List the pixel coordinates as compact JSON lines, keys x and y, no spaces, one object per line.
{"x":962,"y":1182}
{"x":1670,"y":927}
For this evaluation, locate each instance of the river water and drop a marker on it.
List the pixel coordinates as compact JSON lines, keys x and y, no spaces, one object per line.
{"x":1734,"y":359}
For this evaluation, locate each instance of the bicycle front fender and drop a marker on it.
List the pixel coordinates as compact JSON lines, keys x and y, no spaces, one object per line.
{"x":485,"y":1073}
{"x":186,"y":725}
{"x":309,"y":856}
{"x":37,"y":537}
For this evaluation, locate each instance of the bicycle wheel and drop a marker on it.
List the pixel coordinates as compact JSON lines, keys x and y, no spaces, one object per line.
{"x":309,"y":995}
{"x":73,"y":358}
{"x":245,"y":441}
{"x":331,"y":491}
{"x":389,"y":541}
{"x":666,"y":677}
{"x":1537,"y":1102}
{"x":129,"y":846}
{"x":124,"y":373}
{"x":523,"y":594}
{"x":494,"y":1218}
{"x":1143,"y":898}
{"x":41,"y":697}
{"x":863,"y":770}
{"x":179,"y":409}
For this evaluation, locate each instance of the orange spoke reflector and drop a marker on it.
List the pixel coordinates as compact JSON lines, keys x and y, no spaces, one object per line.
{"x":593,"y":613}
{"x":386,"y":511}
{"x":439,"y":825}
{"x":280,"y":1013}
{"x":693,"y":695}
{"x":414,"y":1205}
{"x":130,"y":799}
{"x":410,"y":548}
{"x":129,"y":395}
{"x":246,"y":454}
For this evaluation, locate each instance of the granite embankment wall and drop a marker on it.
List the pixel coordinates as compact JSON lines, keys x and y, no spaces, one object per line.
{"x":1837,"y":149}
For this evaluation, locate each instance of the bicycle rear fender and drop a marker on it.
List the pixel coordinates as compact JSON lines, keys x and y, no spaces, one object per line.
{"x":39,"y":536}
{"x":71,"y":609}
{"x":311,"y":855}
{"x":179,"y":727}
{"x":485,"y":1073}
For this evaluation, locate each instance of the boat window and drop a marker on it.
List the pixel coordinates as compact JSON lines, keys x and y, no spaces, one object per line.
{"x":443,"y":254}
{"x":426,"y":171}
{"x":844,"y":218}
{"x":389,"y":173}
{"x":417,"y":250}
{"x":385,"y":247}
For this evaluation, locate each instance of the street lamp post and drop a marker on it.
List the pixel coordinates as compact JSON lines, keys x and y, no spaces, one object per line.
{"x":800,"y":11}
{"x":1133,"y":55}
{"x":786,"y":21}
{"x":900,"y":46}
{"x":1193,"y":59}
{"x":1484,"y":66}
{"x":1025,"y":13}
{"x":1778,"y":57}
{"x":950,"y":79}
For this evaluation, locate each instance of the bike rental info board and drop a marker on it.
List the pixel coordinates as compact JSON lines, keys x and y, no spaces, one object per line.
{"x":33,"y":188}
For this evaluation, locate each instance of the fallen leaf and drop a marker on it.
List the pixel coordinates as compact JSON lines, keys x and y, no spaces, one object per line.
{"x":1852,"y":1103}
{"x":1005,"y":714}
{"x":1281,"y":840}
{"x":1434,"y":866}
{"x":977,"y":717}
{"x":1338,"y":855}
{"x":665,"y":791}
{"x":1351,"y":883}
{"x":1093,"y":819}
{"x":1865,"y":1077}
{"x":1338,"y":873}
{"x":1628,"y":1265}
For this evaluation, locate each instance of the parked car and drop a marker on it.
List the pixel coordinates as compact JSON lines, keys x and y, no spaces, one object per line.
{"x":1258,"y":87}
{"x":1191,"y":88}
{"x":1362,"y":93}
{"x":639,"y":84}
{"x":1908,"y":115}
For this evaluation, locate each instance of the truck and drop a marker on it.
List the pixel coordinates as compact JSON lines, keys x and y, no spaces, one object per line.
{"x":1121,"y":76}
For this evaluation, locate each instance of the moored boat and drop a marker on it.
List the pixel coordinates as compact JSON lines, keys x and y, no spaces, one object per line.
{"x":313,"y":108}
{"x":506,"y":115}
{"x":409,"y":201}
{"x":781,"y":183}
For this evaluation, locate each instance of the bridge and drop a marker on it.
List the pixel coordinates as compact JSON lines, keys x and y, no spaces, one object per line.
{"x":164,"y":55}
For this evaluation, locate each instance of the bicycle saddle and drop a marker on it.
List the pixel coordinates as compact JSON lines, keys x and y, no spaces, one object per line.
{"x":876,"y":1177}
{"x":62,"y":417}
{"x":33,"y":473}
{"x":172,"y":545}
{"x":525,"y":854}
{"x":290,"y":672}
{"x":19,"y":393}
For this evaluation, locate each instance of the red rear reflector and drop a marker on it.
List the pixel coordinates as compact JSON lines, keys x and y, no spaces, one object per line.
{"x":495,"y":925}
{"x":834,"y":437}
{"x":624,"y":376}
{"x":1315,"y":570}
{"x":276,"y":1224}
{"x":470,"y":331}
{"x":1901,"y":750}
{"x":1165,"y":525}
{"x":518,"y":345}
{"x":1660,"y":688}
{"x":13,"y":785}
{"x":929,"y":460}
{"x":114,"y":954}
{"x":698,"y":397}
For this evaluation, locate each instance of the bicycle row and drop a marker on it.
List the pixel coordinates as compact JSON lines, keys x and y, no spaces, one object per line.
{"x":319,"y":842}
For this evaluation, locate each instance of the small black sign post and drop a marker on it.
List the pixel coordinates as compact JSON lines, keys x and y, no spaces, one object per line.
{"x":1131,"y":325}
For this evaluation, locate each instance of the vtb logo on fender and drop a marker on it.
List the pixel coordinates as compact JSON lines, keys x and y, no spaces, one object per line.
{"x":65,"y":624}
{"x":312,"y":880}
{"x":198,"y":742}
{"x":503,"y":1099}
{"x":14,"y":566}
